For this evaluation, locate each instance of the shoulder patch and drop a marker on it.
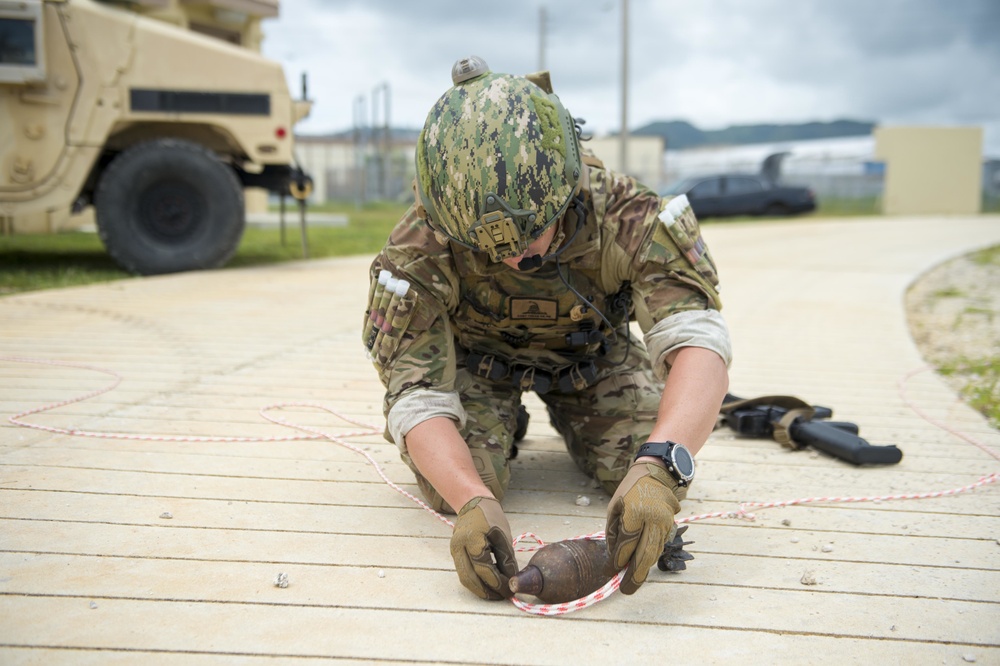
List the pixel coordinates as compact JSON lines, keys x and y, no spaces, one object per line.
{"x":679,"y":219}
{"x":677,"y":232}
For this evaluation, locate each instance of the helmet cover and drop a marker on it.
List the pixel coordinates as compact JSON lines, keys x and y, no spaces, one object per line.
{"x":497,"y":163}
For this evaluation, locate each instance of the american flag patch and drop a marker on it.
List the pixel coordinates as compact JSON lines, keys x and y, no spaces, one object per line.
{"x":679,"y":220}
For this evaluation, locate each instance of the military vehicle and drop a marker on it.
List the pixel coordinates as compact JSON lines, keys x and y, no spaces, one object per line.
{"x":157,"y":113}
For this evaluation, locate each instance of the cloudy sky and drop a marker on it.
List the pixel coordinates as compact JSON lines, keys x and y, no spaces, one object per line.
{"x":713,"y":63}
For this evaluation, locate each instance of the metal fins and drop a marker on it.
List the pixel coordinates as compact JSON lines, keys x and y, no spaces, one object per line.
{"x":674,"y":557}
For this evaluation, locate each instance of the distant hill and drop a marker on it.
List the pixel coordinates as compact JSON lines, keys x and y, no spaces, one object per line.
{"x":680,"y":134}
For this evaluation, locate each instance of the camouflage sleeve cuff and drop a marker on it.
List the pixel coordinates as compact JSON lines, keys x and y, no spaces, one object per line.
{"x":691,"y":328}
{"x":419,"y":405}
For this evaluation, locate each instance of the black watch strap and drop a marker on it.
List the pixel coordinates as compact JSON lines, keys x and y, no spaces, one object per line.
{"x":676,"y":457}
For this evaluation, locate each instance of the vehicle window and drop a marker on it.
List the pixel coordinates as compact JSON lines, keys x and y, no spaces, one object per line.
{"x":17,"y":41}
{"x":22,"y":57}
{"x":743,"y":186}
{"x":711,"y":187}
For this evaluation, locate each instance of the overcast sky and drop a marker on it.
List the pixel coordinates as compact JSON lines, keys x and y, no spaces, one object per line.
{"x":713,"y":63}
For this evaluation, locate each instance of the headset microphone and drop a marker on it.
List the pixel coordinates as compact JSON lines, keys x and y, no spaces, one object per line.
{"x":536,"y":260}
{"x":530,"y":263}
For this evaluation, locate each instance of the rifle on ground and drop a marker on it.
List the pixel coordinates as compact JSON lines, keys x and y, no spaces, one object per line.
{"x":795,"y":424}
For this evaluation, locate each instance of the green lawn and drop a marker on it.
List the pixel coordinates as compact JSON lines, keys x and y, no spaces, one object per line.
{"x":31,"y":262}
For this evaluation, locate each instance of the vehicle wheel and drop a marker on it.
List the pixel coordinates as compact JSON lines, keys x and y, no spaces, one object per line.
{"x":776,"y":210}
{"x":168,"y":205}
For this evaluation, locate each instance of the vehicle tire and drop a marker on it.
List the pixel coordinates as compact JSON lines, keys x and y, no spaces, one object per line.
{"x":168,"y":205}
{"x":776,"y":210}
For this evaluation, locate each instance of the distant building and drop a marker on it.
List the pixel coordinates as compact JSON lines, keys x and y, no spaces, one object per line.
{"x":936,"y":170}
{"x":644,"y":157}
{"x":366,"y":165}
{"x":359,"y":166}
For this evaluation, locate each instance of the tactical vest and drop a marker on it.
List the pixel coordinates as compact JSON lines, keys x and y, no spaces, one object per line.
{"x":529,"y":328}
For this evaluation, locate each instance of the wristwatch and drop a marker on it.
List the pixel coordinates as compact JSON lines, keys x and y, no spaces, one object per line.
{"x":677,"y":458}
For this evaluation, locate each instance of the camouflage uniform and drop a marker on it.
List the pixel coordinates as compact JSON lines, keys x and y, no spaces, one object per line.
{"x":474,"y":334}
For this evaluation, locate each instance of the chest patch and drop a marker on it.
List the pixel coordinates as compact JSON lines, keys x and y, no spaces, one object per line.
{"x":533,"y":308}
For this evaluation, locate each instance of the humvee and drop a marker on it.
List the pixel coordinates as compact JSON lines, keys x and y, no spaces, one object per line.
{"x":127,"y":108}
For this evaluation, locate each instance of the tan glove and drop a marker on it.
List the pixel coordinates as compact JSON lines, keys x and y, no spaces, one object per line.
{"x":641,"y":520}
{"x":482,"y":548}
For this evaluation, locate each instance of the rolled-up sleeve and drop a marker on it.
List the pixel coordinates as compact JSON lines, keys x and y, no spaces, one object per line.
{"x":416,"y":406}
{"x":691,"y":328}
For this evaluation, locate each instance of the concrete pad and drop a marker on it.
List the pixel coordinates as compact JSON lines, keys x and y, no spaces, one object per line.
{"x":159,"y":546}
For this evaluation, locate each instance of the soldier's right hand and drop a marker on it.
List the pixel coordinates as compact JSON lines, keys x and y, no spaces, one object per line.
{"x":483,"y":549}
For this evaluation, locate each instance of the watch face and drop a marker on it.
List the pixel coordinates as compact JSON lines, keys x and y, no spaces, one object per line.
{"x":683,"y":462}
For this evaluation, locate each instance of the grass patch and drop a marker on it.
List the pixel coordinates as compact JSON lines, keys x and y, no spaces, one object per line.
{"x":980,"y":379}
{"x":365,"y":233}
{"x":988,"y":257}
{"x":32,"y":262}
{"x":948,"y":292}
{"x":840,"y":207}
{"x":53,"y":261}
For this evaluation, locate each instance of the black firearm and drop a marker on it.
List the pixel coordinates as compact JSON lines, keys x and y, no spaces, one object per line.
{"x":759,"y":418}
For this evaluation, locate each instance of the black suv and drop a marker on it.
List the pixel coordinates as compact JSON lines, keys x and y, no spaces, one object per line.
{"x":742,"y":194}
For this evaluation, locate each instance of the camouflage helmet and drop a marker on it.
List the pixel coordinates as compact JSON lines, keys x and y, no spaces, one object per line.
{"x":498,"y":160}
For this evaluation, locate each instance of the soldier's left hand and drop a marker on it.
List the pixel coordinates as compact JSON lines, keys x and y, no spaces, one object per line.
{"x":640,"y":521}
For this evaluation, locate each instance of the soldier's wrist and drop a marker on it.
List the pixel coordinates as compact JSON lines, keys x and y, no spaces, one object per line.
{"x":649,"y":459}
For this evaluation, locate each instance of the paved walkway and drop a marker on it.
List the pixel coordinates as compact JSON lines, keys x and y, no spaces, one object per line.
{"x":121,"y":551}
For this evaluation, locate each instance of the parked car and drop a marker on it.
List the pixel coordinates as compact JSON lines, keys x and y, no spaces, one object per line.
{"x":742,"y":194}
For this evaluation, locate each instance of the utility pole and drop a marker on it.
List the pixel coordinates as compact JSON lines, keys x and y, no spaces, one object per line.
{"x":542,"y":28}
{"x":360,"y":114}
{"x":381,"y":142}
{"x":623,"y":136}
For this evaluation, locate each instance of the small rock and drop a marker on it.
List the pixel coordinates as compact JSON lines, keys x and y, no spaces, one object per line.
{"x":582,"y":500}
{"x":93,"y":605}
{"x":827,"y":548}
{"x":786,"y":522}
{"x":281,"y":580}
{"x":971,"y":658}
{"x":795,"y":539}
{"x":381,"y":573}
{"x":808,"y":578}
{"x":166,"y":515}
